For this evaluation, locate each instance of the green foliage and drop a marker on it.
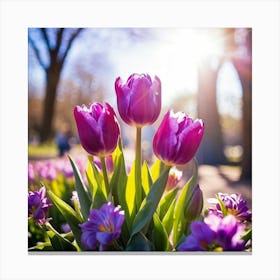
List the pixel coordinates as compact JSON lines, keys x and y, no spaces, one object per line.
{"x":83,"y":194}
{"x":160,"y":235}
{"x":150,"y":203}
{"x":71,"y":216}
{"x":180,"y":221}
{"x":60,"y":243}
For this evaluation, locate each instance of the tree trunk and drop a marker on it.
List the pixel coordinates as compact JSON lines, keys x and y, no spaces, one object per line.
{"x":53,"y":74}
{"x":244,"y":71}
{"x":211,"y":148}
{"x":246,"y":163}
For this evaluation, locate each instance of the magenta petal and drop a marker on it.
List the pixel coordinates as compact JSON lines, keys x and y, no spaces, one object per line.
{"x":139,"y":99}
{"x":177,"y":138}
{"x":98,"y":128}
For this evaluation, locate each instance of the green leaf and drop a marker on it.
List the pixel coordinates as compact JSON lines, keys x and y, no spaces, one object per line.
{"x":222,"y":205}
{"x":119,"y":178}
{"x":247,"y":235}
{"x":160,"y":236}
{"x":59,"y":243}
{"x":179,"y":219}
{"x":83,"y":195}
{"x":168,"y":219}
{"x":138,"y":242}
{"x":118,"y":185}
{"x":150,"y":203}
{"x":42,"y":246}
{"x":130,"y":195}
{"x":166,"y":201}
{"x":98,"y":190}
{"x":156,"y":170}
{"x":147,"y":180}
{"x":69,"y":214}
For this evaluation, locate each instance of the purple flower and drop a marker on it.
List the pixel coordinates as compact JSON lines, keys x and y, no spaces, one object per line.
{"x":139,"y":99}
{"x":177,"y":138}
{"x":47,"y":171}
{"x":31,"y":173}
{"x":38,"y":205}
{"x":65,"y":228}
{"x":235,"y":205}
{"x":215,"y":234}
{"x":98,"y":128}
{"x":103,"y":226}
{"x":200,"y":238}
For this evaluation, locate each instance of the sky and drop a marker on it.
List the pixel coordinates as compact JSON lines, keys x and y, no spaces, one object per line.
{"x":173,"y":54}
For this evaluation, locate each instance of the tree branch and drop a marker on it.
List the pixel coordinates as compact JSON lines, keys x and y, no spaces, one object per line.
{"x":37,"y":53}
{"x":58,"y":40}
{"x":70,"y":42}
{"x":43,"y":30}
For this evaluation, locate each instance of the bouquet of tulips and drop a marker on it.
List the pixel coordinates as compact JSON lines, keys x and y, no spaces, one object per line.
{"x":116,"y":207}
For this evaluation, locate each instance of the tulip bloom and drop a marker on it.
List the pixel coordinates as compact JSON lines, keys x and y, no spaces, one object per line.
{"x":177,"y":138}
{"x":139,"y":99}
{"x":98,"y":128}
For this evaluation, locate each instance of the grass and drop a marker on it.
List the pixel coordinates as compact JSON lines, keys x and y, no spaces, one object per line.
{"x":42,"y":150}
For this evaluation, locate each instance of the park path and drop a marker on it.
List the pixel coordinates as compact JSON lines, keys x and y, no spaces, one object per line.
{"x":214,"y":179}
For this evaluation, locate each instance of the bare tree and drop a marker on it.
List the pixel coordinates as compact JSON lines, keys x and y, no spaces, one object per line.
{"x":51,"y":51}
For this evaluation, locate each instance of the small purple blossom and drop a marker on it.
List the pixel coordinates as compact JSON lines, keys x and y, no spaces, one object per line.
{"x":103,"y":226}
{"x":235,"y":205}
{"x":215,"y":234}
{"x":47,"y":171}
{"x":31,"y":173}
{"x":38,"y":205}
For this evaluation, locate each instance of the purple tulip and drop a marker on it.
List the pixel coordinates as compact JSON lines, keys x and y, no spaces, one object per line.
{"x":139,"y":99}
{"x":215,"y":234}
{"x":177,"y":138}
{"x":98,"y":128}
{"x":103,"y":226}
{"x":235,"y":205}
{"x":38,"y":205}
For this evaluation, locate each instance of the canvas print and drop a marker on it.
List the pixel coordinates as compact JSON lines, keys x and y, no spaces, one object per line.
{"x":139,"y":139}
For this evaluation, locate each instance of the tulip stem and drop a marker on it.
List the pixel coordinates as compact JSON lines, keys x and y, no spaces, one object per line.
{"x":105,"y":175}
{"x":138,"y":165}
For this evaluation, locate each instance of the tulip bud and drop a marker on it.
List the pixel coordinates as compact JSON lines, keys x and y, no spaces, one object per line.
{"x":177,"y":138}
{"x":174,"y":178}
{"x":98,"y":128}
{"x":139,"y":99}
{"x":194,"y":205}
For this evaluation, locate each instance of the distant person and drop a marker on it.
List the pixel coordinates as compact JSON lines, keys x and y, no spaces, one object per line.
{"x":62,"y":140}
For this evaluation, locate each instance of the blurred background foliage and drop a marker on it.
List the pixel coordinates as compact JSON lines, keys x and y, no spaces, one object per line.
{"x":206,"y":73}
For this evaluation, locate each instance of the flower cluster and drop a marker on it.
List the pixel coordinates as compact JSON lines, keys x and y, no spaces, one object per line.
{"x":138,"y":207}
{"x":215,"y":234}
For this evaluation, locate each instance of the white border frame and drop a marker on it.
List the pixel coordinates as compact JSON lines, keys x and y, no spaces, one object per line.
{"x":17,"y":16}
